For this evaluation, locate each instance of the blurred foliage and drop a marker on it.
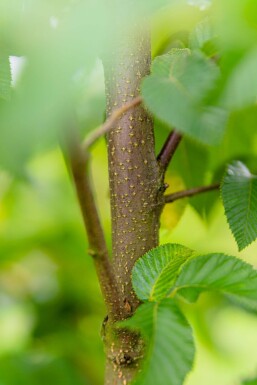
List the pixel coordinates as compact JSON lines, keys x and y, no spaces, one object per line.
{"x":50,"y":305}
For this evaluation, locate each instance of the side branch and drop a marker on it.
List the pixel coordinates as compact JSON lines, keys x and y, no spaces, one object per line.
{"x":169,"y":148}
{"x":79,"y":164}
{"x":108,"y":125}
{"x":189,"y":193}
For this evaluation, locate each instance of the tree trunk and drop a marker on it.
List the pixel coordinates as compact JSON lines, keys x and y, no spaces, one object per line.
{"x":136,"y":191}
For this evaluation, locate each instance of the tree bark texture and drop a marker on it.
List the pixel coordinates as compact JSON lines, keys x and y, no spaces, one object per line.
{"x":136,"y":190}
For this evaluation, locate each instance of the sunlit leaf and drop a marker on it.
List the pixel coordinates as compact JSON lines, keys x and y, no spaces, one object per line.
{"x":154,"y":273}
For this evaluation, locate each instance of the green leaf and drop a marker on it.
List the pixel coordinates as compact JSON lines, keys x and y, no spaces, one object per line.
{"x":154,"y":273}
{"x":170,"y":346}
{"x":239,"y":140}
{"x":230,"y":276}
{"x":176,"y":90}
{"x":5,"y":77}
{"x":189,"y":157}
{"x":241,"y":89}
{"x":174,"y":61}
{"x":203,"y":37}
{"x":239,"y":194}
{"x":250,"y":382}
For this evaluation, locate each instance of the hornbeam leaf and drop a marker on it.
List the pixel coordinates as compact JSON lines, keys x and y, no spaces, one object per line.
{"x":176,"y":90}
{"x":239,"y":194}
{"x":169,"y":342}
{"x":229,"y":276}
{"x":154,"y":273}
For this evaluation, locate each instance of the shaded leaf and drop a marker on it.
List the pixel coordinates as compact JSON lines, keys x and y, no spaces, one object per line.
{"x":239,"y":194}
{"x":170,"y":346}
{"x":176,"y":90}
{"x":191,"y":162}
{"x":250,"y":382}
{"x":154,"y":273}
{"x":241,"y":89}
{"x":203,"y":37}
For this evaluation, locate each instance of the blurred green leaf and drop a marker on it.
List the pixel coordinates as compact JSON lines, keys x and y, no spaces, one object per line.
{"x":235,"y":23}
{"x":250,"y":382}
{"x":191,"y":162}
{"x":170,"y":345}
{"x":5,"y":77}
{"x":235,"y":279}
{"x":240,"y":139}
{"x":176,"y":90}
{"x":241,"y":89}
{"x":47,"y":92}
{"x":38,"y":370}
{"x":239,"y":194}
{"x":153,"y":274}
{"x":203,"y":37}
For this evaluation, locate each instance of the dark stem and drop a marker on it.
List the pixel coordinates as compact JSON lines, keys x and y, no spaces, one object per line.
{"x":79,"y":165}
{"x":169,"y":148}
{"x":189,"y":193}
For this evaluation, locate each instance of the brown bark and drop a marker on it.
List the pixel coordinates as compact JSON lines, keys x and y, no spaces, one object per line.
{"x":136,"y":190}
{"x":79,"y":167}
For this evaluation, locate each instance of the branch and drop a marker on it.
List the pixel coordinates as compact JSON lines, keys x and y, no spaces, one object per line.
{"x":79,"y":164}
{"x":189,"y":193}
{"x":108,"y":125}
{"x":169,"y":148}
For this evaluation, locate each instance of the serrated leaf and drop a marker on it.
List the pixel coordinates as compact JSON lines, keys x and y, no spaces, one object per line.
{"x":230,"y":276}
{"x":154,"y":273}
{"x":171,"y":62}
{"x":5,"y":77}
{"x":176,"y":90}
{"x":239,"y":194}
{"x":170,"y":345}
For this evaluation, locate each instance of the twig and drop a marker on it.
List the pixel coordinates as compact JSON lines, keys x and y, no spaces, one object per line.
{"x":107,"y":126}
{"x":189,"y":193}
{"x":169,"y":148}
{"x":79,"y":164}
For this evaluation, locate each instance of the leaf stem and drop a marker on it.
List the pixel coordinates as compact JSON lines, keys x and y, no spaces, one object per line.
{"x":168,"y":150}
{"x":191,"y":192}
{"x":108,"y":125}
